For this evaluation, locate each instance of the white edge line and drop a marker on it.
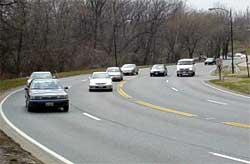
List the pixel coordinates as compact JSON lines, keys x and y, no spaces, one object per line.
{"x":84,"y":80}
{"x":27,"y":137}
{"x":174,"y":89}
{"x":228,"y":157}
{"x":231,"y":93}
{"x":91,"y":116}
{"x":217,"y":102}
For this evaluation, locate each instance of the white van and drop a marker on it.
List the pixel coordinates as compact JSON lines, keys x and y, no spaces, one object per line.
{"x":186,"y":67}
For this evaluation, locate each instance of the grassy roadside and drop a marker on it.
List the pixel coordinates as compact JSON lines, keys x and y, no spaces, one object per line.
{"x":238,"y":82}
{"x":13,"y":83}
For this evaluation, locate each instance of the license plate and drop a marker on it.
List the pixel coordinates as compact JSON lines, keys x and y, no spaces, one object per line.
{"x":49,"y":104}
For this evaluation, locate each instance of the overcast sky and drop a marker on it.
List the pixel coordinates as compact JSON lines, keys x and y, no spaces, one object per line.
{"x":205,"y":4}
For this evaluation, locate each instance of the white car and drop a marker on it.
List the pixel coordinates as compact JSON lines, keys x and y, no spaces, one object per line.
{"x":186,"y":67}
{"x":100,"y":81}
{"x":115,"y":73}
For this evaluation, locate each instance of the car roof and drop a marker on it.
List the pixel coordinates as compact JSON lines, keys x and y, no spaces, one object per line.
{"x":113,"y":68}
{"x":128,"y":64}
{"x":186,"y":60}
{"x":158,"y":64}
{"x":99,"y":72}
{"x":41,"y":72}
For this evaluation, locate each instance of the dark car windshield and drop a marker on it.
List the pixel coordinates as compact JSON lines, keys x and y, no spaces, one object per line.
{"x":158,"y":67}
{"x":113,"y":70}
{"x":45,"y":85}
{"x":41,"y":76}
{"x":100,"y":75}
{"x":185,"y":62}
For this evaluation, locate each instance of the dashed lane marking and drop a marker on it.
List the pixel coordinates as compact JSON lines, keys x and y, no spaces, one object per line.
{"x":217,"y":102}
{"x":91,"y":116}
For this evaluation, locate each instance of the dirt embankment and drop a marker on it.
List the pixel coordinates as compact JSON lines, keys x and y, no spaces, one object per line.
{"x":12,"y":153}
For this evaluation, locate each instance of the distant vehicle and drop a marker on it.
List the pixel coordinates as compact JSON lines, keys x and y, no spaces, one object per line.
{"x":159,"y":70}
{"x":46,"y":93}
{"x":210,"y":61}
{"x":186,"y":67}
{"x":240,"y":55}
{"x":100,"y":81}
{"x":130,"y":69}
{"x":115,"y":73}
{"x":39,"y":75}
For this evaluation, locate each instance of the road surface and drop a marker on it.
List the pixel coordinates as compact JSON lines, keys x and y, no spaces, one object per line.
{"x":145,"y":119}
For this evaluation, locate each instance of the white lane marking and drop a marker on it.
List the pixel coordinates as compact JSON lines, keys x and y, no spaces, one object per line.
{"x":228,"y":92}
{"x":27,"y":137}
{"x":210,"y":118}
{"x":217,"y":102}
{"x":93,"y":117}
{"x":166,"y":81}
{"x":84,"y":80}
{"x":228,"y":157}
{"x":174,"y":89}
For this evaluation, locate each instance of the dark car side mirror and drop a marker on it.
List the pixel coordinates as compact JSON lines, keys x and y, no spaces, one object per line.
{"x":26,"y":89}
{"x":66,"y":88}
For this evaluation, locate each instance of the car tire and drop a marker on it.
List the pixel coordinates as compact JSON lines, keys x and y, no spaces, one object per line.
{"x":90,"y":90}
{"x":66,"y":108}
{"x":193,"y":74}
{"x":111,"y":90}
{"x":178,"y":75}
{"x":29,"y":109}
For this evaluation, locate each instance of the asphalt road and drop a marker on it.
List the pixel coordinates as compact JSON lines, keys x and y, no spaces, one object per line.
{"x":169,"y":119}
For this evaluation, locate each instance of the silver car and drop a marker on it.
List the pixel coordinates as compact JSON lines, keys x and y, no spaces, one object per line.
{"x":115,"y":73}
{"x":100,"y":81}
{"x":130,"y":69}
{"x":159,"y":70}
{"x":39,"y":75}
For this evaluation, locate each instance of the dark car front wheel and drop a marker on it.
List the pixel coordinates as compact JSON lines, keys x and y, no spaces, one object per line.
{"x":66,"y":108}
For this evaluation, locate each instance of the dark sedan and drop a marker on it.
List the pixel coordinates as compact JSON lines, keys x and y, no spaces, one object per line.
{"x":210,"y":61}
{"x":46,"y":93}
{"x":158,"y":70}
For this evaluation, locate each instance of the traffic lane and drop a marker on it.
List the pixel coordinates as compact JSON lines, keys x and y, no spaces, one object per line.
{"x":118,"y":110}
{"x":154,"y":90}
{"x":194,"y":87}
{"x":82,"y":139}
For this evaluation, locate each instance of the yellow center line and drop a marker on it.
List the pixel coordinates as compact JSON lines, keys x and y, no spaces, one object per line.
{"x":164,"y":109}
{"x":237,"y":124}
{"x":121,"y":92}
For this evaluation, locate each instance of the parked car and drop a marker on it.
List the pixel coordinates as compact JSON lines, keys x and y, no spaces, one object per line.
{"x":46,"y":93}
{"x":186,"y":67}
{"x":115,"y":73}
{"x":39,"y":75}
{"x":100,"y":81}
{"x":159,"y":70}
{"x":130,"y":69}
{"x":210,"y":61}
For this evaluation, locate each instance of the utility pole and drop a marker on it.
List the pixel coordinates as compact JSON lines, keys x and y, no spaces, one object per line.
{"x":231,"y":31}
